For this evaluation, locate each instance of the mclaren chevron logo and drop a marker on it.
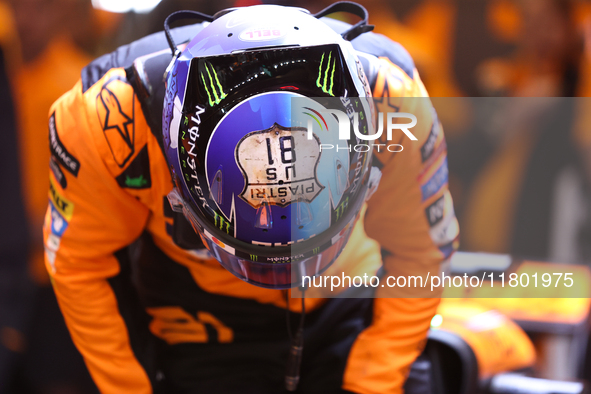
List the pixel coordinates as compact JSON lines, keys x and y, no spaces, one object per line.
{"x":214,"y":96}
{"x":325,"y":80}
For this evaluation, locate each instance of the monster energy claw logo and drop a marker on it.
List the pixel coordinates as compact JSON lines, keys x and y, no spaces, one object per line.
{"x":221,"y":223}
{"x":213,"y":85}
{"x":326,"y":74}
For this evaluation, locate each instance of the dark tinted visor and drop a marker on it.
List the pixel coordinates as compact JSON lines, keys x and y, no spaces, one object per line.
{"x":316,"y":71}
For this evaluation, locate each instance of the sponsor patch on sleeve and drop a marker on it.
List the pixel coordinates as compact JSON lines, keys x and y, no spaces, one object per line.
{"x":445,"y":231}
{"x":53,"y":242}
{"x":435,"y":211}
{"x":51,"y":259}
{"x":429,"y":145}
{"x":58,"y":173}
{"x":442,"y":208}
{"x":61,"y":204}
{"x":436,"y":182}
{"x":58,"y":223}
{"x":137,"y":173}
{"x":59,"y":151}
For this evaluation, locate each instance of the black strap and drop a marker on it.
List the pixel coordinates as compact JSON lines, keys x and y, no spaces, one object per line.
{"x":180,"y":15}
{"x":352,"y":8}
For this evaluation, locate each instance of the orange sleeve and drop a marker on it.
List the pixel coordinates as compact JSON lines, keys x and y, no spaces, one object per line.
{"x":88,"y":219}
{"x":411,"y":216}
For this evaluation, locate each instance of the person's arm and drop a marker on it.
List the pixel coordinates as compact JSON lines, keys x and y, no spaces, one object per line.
{"x":90,"y":218}
{"x":411,"y":216}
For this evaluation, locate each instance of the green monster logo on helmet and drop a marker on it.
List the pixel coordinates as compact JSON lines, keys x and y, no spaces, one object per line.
{"x":329,"y":69}
{"x":222,"y":95}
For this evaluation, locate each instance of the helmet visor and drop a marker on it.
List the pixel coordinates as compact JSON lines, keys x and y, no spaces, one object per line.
{"x":314,"y":71}
{"x":286,"y":272}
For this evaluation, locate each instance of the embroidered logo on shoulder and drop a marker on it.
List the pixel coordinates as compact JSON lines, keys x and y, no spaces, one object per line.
{"x":273,"y":172}
{"x":117,"y":121}
{"x":59,"y":151}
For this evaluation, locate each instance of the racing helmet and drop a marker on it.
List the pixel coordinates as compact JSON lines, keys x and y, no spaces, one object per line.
{"x":247,"y":112}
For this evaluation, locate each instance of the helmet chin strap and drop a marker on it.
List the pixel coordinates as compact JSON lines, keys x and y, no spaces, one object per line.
{"x":294,"y":360}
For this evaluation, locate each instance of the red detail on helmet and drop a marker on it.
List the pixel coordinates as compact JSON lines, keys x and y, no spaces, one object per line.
{"x":218,"y":242}
{"x":247,"y":3}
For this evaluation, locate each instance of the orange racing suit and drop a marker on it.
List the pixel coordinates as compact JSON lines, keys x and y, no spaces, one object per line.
{"x":108,"y":186}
